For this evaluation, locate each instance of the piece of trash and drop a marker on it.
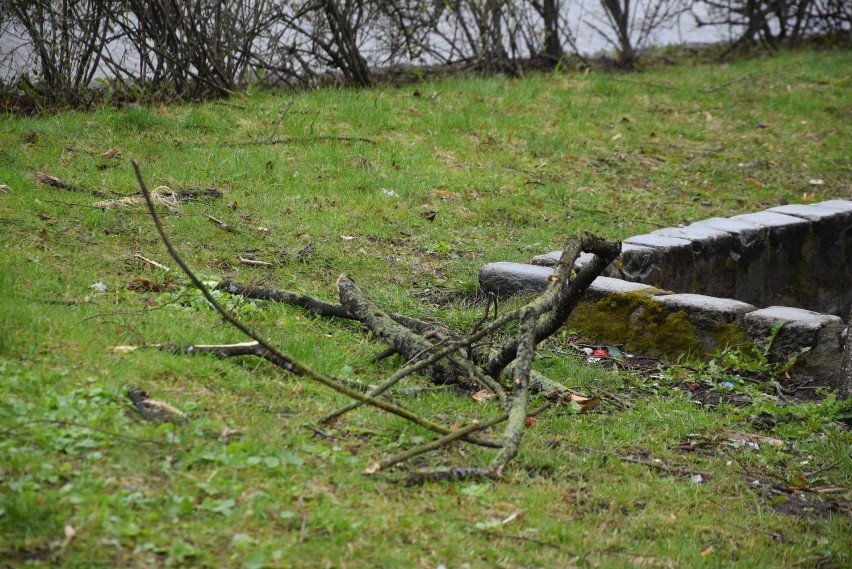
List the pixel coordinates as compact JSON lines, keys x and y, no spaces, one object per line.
{"x":751,"y":440}
{"x":696,"y":479}
{"x":816,"y":182}
{"x":726,"y":385}
{"x":98,"y":287}
{"x":600,"y":352}
{"x":389,"y":193}
{"x":347,"y":237}
{"x":530,"y":421}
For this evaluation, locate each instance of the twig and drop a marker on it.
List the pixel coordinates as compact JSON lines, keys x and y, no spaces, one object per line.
{"x":822,"y":469}
{"x":737,"y":80}
{"x":61,"y":423}
{"x":270,"y":352}
{"x":151,"y":262}
{"x":277,"y":125}
{"x":221,"y":224}
{"x":437,"y":443}
{"x":308,"y":139}
{"x":254,"y":262}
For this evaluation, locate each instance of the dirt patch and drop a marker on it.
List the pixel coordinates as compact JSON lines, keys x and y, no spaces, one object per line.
{"x":799,"y":503}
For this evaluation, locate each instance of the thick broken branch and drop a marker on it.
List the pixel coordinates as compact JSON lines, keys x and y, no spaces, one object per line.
{"x":562,"y":294}
{"x":270,"y":353}
{"x":400,"y":338}
{"x":318,"y":307}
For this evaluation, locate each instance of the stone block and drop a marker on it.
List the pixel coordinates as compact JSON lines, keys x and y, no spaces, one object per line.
{"x":711,"y":250}
{"x":707,"y":310}
{"x":552,"y":258}
{"x":827,"y":258}
{"x":820,"y":333}
{"x":717,"y":322}
{"x":785,"y":261}
{"x":746,"y":255}
{"x":665,"y":262}
{"x":509,"y":279}
{"x":547,"y":259}
{"x":603,"y":286}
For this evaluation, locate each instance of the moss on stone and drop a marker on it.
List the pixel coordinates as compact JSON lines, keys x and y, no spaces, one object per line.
{"x":636,"y":321}
{"x":728,"y":335}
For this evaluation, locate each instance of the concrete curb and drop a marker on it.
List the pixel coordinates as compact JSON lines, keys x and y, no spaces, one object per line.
{"x":735,"y":279}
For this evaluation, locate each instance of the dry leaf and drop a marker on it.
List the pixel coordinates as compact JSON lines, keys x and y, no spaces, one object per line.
{"x":755,"y":183}
{"x":707,"y":551}
{"x":482,"y":395}
{"x":111,"y":153}
{"x":122,"y":349}
{"x":373,"y":468}
{"x":585,"y":402}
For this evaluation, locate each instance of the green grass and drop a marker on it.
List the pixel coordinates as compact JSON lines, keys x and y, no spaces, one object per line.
{"x":512,"y":167}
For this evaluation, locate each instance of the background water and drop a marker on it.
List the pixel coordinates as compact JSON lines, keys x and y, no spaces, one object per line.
{"x":17,"y":57}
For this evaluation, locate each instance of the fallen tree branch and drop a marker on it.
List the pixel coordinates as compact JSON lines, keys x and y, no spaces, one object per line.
{"x":53,"y":181}
{"x":443,"y":357}
{"x":275,"y":356}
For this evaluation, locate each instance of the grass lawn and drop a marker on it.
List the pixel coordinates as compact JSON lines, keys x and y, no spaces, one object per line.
{"x":409,"y":191}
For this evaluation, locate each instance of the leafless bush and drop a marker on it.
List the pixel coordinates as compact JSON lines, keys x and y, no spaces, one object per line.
{"x":630,"y":26}
{"x":779,"y":22}
{"x":66,"y":39}
{"x":163,"y":49}
{"x":190,"y":48}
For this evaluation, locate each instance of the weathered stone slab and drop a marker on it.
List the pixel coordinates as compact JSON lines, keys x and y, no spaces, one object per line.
{"x":716,"y":322}
{"x":639,"y":264}
{"x":746,"y":255}
{"x":508,"y":279}
{"x":669,"y":264}
{"x":707,"y":310}
{"x":821,"y":333}
{"x":845,"y":205}
{"x":603,"y":286}
{"x":827,"y":251}
{"x":785,"y":260}
{"x":546,"y":260}
{"x":711,"y":255}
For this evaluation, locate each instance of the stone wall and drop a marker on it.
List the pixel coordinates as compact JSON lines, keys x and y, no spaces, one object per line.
{"x":718,"y":283}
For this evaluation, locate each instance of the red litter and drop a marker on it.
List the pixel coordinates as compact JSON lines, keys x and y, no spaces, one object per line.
{"x":600,"y":353}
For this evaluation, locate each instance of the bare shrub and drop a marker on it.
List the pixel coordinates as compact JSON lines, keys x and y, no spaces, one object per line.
{"x":191,"y":48}
{"x":630,"y":26}
{"x":66,"y":38}
{"x":778,"y":22}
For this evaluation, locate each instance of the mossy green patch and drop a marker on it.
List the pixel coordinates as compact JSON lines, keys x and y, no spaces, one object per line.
{"x":640,"y":324}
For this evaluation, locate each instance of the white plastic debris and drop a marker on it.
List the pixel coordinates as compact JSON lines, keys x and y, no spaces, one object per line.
{"x":99,"y":287}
